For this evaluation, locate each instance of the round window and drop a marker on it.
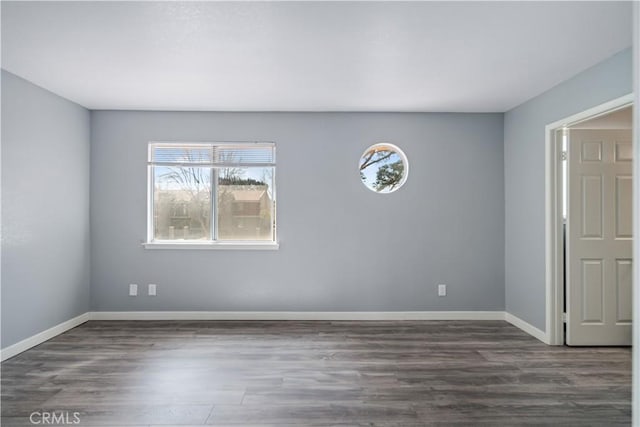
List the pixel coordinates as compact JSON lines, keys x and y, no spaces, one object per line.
{"x":383,"y":168}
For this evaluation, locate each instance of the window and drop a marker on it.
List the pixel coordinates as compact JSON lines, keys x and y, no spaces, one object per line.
{"x":383,"y":168}
{"x":211,"y":194}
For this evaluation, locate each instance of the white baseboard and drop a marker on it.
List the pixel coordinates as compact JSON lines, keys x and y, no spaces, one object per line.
{"x":527,"y":327}
{"x":43,"y":336}
{"x":297,"y":315}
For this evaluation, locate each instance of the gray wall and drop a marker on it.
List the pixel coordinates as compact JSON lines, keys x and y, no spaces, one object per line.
{"x":343,"y":247}
{"x":45,"y":209}
{"x":524,"y":168}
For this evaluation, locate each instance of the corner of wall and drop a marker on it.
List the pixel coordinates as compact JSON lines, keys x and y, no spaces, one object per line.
{"x":37,"y":120}
{"x":524,"y":176}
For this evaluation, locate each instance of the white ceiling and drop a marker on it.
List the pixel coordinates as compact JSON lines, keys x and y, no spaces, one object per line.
{"x":308,"y":56}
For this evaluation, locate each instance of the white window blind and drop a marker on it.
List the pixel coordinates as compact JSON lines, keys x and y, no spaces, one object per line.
{"x":220,"y":154}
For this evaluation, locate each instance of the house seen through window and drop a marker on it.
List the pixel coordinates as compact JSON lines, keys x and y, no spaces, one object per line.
{"x":211,"y":192}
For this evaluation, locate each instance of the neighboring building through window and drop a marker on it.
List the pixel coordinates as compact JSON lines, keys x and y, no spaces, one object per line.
{"x":211,"y":192}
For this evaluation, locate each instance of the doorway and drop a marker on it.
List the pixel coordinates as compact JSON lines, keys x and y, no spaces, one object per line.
{"x":589,"y":261}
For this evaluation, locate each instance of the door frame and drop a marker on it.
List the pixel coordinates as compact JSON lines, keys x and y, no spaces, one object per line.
{"x":554,"y":266}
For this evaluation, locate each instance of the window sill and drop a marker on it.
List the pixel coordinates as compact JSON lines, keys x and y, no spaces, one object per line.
{"x":265,"y":246}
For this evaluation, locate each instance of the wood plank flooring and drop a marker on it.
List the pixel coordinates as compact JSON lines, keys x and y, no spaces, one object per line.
{"x":418,"y":373}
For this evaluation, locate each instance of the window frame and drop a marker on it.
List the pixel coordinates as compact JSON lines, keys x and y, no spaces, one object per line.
{"x":152,"y":243}
{"x":403,"y":157}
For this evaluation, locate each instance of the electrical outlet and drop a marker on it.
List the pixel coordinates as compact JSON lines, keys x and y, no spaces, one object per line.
{"x":133,"y":290}
{"x":442,"y":290}
{"x":152,"y":289}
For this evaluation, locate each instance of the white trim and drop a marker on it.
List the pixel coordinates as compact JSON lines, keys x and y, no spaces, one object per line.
{"x":554,"y":295}
{"x":298,"y":315}
{"x":527,"y":327}
{"x":43,"y":336}
{"x":214,"y":246}
{"x":598,"y":110}
{"x":635,"y":387}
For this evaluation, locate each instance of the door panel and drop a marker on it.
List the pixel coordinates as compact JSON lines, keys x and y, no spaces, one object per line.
{"x":591,"y":212}
{"x":624,"y":270}
{"x":624,"y":150}
{"x":623,"y":217}
{"x":592,"y":279}
{"x":591,"y":152}
{"x":599,"y":238}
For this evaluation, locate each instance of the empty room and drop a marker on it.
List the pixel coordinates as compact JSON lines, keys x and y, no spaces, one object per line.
{"x":319,"y":213}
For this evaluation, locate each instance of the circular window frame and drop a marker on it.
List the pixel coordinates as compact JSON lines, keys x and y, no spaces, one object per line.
{"x":400,"y":153}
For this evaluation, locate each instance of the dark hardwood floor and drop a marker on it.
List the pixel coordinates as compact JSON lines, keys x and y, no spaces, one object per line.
{"x":315,"y":373}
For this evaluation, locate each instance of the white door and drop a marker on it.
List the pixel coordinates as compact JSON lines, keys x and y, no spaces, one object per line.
{"x":599,"y":237}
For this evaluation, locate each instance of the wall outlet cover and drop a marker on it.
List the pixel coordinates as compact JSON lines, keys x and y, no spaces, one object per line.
{"x":442,"y":290}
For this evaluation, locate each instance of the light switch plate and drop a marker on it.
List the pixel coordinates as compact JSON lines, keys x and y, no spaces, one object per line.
{"x":133,"y":290}
{"x":152,"y":289}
